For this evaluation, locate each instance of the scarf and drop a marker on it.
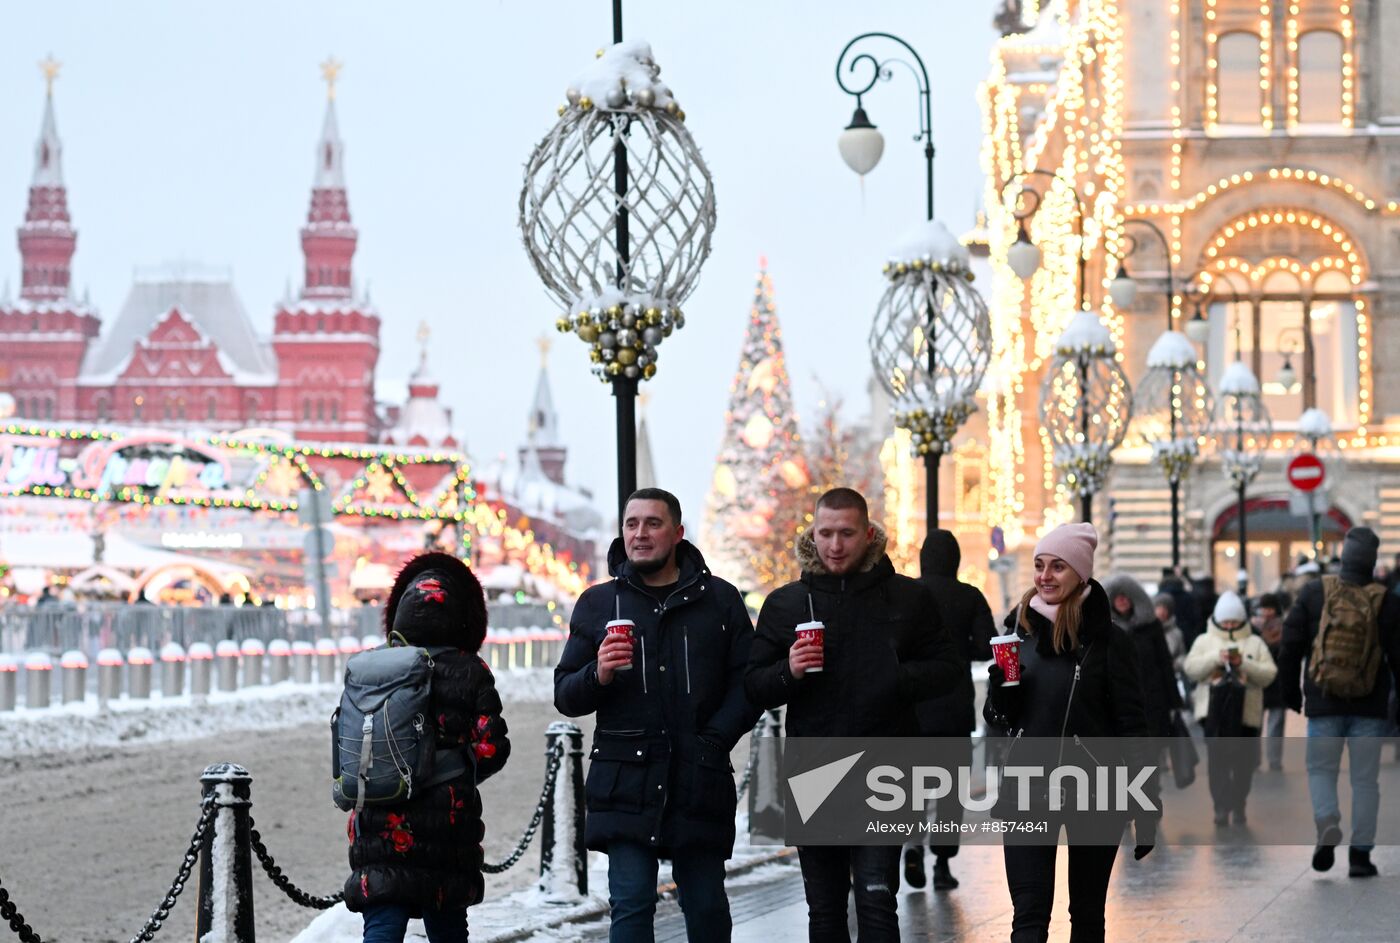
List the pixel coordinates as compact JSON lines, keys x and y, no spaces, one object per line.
{"x":1049,"y":610}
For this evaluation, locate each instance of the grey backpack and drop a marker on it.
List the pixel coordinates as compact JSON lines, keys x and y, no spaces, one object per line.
{"x":383,"y":737}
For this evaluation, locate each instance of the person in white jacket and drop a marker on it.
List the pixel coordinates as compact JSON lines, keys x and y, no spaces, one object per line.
{"x":1229,"y":652}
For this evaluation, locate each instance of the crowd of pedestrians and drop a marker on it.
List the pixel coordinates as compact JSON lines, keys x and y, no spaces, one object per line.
{"x":666,"y":658}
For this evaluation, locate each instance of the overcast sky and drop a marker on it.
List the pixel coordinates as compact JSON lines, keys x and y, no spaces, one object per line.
{"x":188,"y":134}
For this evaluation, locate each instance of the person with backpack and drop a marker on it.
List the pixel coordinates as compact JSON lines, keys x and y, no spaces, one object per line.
{"x":420,"y":855}
{"x":1232,"y":667}
{"x":1341,"y":645}
{"x":658,"y":654}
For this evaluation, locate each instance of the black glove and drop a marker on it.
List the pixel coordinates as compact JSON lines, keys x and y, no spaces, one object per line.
{"x":1006,"y":701}
{"x":1293,"y":699}
{"x":1145,"y":838}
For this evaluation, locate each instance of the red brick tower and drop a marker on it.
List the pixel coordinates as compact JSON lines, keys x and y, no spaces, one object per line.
{"x":327,"y":340}
{"x":44,"y":335}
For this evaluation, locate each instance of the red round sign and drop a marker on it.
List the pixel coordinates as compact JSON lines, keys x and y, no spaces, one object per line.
{"x":1306,"y":472}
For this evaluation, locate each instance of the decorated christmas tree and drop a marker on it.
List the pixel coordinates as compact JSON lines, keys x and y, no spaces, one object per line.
{"x":761,"y":491}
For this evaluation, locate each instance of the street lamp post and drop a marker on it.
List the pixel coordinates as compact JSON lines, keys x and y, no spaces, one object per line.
{"x":1085,"y":400}
{"x":1316,"y":426}
{"x":1242,"y":434}
{"x":931,"y":340}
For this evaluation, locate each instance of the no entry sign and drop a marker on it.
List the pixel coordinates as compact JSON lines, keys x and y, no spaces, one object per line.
{"x":1306,"y":472}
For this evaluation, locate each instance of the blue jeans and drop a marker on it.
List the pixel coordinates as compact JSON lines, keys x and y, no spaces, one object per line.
{"x":1362,"y":737}
{"x":386,"y":923}
{"x":699,"y":874}
{"x":827,"y":876}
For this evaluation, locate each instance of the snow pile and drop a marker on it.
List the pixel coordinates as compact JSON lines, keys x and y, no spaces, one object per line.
{"x":1238,"y":380}
{"x":932,"y":244}
{"x":623,"y":78}
{"x":162,"y":720}
{"x":1085,"y":334}
{"x":1172,"y":351}
{"x":1314,"y":424}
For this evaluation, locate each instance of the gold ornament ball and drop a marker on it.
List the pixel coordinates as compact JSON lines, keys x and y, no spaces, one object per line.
{"x":615,"y":311}
{"x":626,"y":355}
{"x":587,"y":333}
{"x":562,"y":325}
{"x":649,"y":371}
{"x":614,"y":369}
{"x":666,"y":330}
{"x":560,"y":110}
{"x":585,"y":103}
{"x":681,"y":114}
{"x":653,"y":315}
{"x":595,"y":356}
{"x":673,"y":109}
{"x":584,"y":318}
{"x":917,"y":265}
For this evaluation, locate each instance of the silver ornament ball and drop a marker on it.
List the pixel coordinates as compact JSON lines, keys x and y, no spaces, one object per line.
{"x":573,"y":95}
{"x":632,"y":371}
{"x":652,"y":336}
{"x":629,"y":319}
{"x":644,"y":97}
{"x":616,"y":98}
{"x":608,"y":339}
{"x":626,"y":338}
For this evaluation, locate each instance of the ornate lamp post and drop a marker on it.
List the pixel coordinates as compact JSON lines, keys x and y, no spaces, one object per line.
{"x":1172,"y":409}
{"x":931,"y":339}
{"x":617,"y":212}
{"x":1085,"y":400}
{"x":1242,"y":431}
{"x":1315,"y":426}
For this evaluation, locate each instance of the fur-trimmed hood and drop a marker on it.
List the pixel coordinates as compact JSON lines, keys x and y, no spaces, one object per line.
{"x":1121,"y":584}
{"x":452,"y":613}
{"x":810,"y":562}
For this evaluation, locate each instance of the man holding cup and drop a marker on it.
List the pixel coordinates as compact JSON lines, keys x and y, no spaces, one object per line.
{"x":850,"y":648}
{"x":658,"y":653}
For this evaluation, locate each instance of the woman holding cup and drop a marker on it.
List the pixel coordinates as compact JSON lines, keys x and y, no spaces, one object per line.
{"x":1064,"y":670}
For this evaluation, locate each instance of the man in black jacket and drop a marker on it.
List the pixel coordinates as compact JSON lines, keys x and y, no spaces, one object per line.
{"x":1358,"y":722}
{"x":670,"y":704}
{"x":885,"y":649}
{"x":964,"y":612}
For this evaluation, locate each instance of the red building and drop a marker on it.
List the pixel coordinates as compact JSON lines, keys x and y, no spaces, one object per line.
{"x":182,"y":352}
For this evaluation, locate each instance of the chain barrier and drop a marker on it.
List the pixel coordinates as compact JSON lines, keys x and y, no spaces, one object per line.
{"x":10,"y":913}
{"x":274,"y":872}
{"x":556,"y":757}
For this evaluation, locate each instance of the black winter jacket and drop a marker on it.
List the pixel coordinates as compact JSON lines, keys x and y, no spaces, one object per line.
{"x":965,"y":615}
{"x":426,"y":853}
{"x":1300,"y":629}
{"x":1160,"y":695}
{"x":659,"y":771}
{"x":1093,"y":692}
{"x":885,"y":649}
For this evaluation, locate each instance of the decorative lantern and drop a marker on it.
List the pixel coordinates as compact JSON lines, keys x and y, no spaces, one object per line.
{"x":1173,"y":406}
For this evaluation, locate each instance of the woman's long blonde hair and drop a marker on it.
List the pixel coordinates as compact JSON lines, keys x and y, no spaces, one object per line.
{"x":1068,"y":619}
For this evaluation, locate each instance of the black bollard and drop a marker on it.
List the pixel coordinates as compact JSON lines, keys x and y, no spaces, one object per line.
{"x":563,"y":859}
{"x":226,"y":858}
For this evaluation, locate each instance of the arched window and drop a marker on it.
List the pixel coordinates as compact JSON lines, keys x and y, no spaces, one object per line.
{"x":102,"y":409}
{"x":1239,"y":98}
{"x":137,"y":407}
{"x":335,"y":410}
{"x":211,"y":409}
{"x":306,"y":410}
{"x":1320,"y":78}
{"x":320,"y":410}
{"x":250,"y":410}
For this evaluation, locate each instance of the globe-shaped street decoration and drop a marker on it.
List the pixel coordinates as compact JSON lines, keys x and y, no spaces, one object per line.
{"x":622,"y":304}
{"x":1242,"y":425}
{"x":1085,"y":405}
{"x":931,"y":339}
{"x":1173,"y":406}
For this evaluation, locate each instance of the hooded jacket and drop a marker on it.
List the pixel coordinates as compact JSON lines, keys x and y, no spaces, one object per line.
{"x":965,"y":615}
{"x":1159,"y":692}
{"x":658,"y":772}
{"x":1295,"y":652}
{"x":1259,"y":669}
{"x":426,"y":853}
{"x":886,"y":648}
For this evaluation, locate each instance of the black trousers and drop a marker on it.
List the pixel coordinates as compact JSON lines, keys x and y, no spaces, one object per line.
{"x":949,"y":808}
{"x":1030,"y":876}
{"x":827,"y":876}
{"x":1231,"y":763}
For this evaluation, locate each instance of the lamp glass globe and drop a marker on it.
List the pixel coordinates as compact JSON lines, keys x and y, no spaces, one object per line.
{"x":1023,"y":257}
{"x":861,"y":148}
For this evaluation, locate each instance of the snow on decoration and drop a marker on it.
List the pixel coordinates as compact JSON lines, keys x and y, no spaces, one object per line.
{"x":1172,"y":350}
{"x":1314,"y":424}
{"x":930,"y":307}
{"x":1242,"y":425}
{"x":1238,"y":380}
{"x":570,"y":212}
{"x":1086,"y":334}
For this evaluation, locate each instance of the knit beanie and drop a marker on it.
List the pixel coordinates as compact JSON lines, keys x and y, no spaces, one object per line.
{"x":1073,"y":543}
{"x":1229,"y":608}
{"x":1359,"y":555}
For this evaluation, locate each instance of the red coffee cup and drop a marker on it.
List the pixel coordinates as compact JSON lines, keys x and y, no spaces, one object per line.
{"x":625,"y":628}
{"x":815,"y":631}
{"x":1007,"y":651}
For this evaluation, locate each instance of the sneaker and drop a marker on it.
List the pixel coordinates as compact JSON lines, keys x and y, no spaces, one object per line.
{"x":1360,"y":864}
{"x":943,"y":879}
{"x":1325,"y":854}
{"x":914,"y":868}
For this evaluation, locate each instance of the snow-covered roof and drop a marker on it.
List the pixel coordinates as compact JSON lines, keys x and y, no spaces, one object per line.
{"x":1172,"y":350}
{"x":1239,"y":380}
{"x":1085,"y":334}
{"x":48,"y":151}
{"x":209,"y":303}
{"x":527,"y":487}
{"x":1314,"y":424}
{"x":421,"y":418}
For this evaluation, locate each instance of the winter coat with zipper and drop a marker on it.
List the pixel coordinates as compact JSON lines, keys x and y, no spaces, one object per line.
{"x":885,"y":649}
{"x":1295,"y":652}
{"x":659,"y":772}
{"x":1093,"y":692}
{"x":1159,"y":692}
{"x":964,"y":612}
{"x":426,"y":853}
{"x":1259,"y":669}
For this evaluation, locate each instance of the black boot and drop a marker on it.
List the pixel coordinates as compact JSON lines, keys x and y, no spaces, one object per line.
{"x":914,"y":868}
{"x":1359,"y":861}
{"x":943,"y":879}
{"x":1329,"y":836}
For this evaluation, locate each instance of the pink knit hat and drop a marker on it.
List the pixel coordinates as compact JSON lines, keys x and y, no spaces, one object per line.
{"x":1074,"y":544}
